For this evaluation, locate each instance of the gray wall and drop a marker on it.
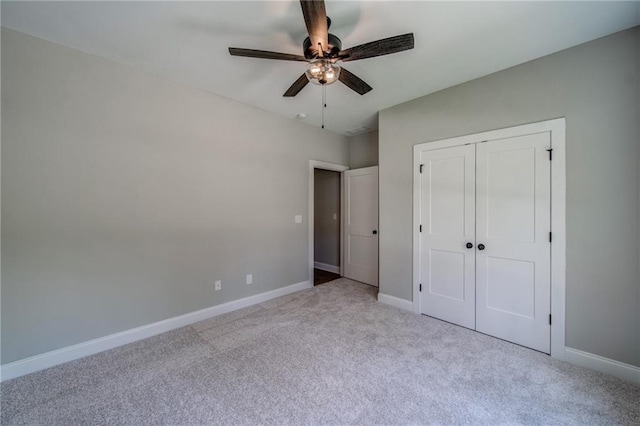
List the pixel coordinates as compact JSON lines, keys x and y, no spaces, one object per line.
{"x":595,"y":86}
{"x":363,"y":150}
{"x":326,"y":229}
{"x":125,"y":195}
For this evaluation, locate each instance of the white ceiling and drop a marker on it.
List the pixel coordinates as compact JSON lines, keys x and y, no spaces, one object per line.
{"x":187,"y":42}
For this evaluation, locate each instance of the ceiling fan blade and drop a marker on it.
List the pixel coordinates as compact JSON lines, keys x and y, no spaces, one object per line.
{"x":265,"y":54}
{"x":297,"y":86}
{"x":315,"y":17}
{"x":378,"y":48}
{"x":354,"y":82}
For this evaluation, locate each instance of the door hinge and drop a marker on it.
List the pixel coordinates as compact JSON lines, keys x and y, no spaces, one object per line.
{"x":550,"y":150}
{"x":549,"y":319}
{"x":420,"y":228}
{"x":421,"y":166}
{"x":549,"y":236}
{"x":420,"y":287}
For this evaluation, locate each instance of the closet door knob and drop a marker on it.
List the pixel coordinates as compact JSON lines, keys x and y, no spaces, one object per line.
{"x":375,"y":232}
{"x":469,"y":245}
{"x":480,"y":246}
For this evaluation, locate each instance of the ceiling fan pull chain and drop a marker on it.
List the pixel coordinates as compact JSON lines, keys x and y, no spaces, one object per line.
{"x":324,"y":96}
{"x":324,"y":102}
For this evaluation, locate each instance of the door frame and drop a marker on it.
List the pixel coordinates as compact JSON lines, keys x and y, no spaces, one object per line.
{"x":557,"y":130}
{"x":314,"y":164}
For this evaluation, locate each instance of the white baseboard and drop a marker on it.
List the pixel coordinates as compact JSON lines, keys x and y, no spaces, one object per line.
{"x":326,"y":267}
{"x":395,"y":301}
{"x":609,"y":366}
{"x":90,"y":347}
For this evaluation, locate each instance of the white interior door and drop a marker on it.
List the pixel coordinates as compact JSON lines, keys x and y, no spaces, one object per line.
{"x":513,"y":257}
{"x":361,"y":225}
{"x":447,"y":192}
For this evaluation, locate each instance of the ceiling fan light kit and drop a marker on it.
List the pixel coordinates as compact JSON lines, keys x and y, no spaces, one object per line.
{"x":322,"y":72}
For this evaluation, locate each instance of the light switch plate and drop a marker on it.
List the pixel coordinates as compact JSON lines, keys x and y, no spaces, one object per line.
{"x":298,"y":218}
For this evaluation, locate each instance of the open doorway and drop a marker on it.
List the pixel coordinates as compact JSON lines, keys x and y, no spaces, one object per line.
{"x":325,"y":221}
{"x":326,"y":226}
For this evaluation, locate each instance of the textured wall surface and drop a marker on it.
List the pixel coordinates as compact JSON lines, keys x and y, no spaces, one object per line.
{"x":125,"y":195}
{"x":363,"y":150}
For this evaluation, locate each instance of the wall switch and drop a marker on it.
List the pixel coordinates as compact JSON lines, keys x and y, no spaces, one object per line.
{"x":218,"y":285}
{"x":335,"y":216}
{"x":298,"y":218}
{"x":249,"y":278}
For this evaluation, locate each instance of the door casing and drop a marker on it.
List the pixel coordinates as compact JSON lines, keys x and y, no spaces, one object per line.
{"x":313,"y":164}
{"x":556,"y":128}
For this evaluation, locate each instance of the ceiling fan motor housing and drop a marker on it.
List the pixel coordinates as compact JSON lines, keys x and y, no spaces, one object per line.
{"x":334,"y":47}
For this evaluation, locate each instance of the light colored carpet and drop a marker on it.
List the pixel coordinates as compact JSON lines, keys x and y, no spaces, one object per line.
{"x":328,"y":355}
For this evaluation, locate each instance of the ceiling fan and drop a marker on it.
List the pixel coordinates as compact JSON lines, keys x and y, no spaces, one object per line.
{"x":323,"y":50}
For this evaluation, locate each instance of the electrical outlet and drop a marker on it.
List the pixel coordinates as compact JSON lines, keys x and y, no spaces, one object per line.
{"x":249,"y":278}
{"x":335,"y":216}
{"x":297,"y":218}
{"x":218,"y":285}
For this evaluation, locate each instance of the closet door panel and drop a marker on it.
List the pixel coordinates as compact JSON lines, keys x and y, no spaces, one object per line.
{"x":447,"y":210}
{"x":513,"y":259}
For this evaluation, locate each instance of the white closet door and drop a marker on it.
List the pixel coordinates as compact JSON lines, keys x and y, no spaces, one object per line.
{"x":512,"y":225}
{"x":447,"y":266}
{"x":361,"y":225}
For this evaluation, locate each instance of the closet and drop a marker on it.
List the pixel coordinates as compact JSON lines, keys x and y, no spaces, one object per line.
{"x":484,"y":236}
